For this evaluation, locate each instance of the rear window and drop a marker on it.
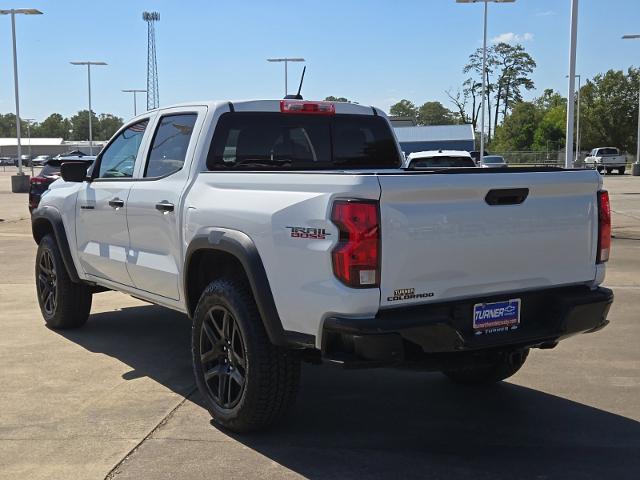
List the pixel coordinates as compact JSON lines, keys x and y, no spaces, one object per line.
{"x":49,"y":170}
{"x":608,"y":151}
{"x":280,"y":141}
{"x":52,"y":167}
{"x":442,"y":162}
{"x":493,"y":159}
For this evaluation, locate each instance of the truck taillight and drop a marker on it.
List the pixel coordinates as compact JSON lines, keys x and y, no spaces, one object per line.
{"x":356,"y":257}
{"x":37,"y":181}
{"x":604,"y":226}
{"x":300,"y":106}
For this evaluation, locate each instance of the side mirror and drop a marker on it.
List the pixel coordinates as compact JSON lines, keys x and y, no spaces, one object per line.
{"x":73,"y":171}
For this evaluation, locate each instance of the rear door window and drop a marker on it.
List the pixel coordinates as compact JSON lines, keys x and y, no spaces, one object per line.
{"x":277,"y":141}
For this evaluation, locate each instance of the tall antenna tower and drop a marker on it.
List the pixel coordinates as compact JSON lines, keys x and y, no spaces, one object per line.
{"x":153,"y":100}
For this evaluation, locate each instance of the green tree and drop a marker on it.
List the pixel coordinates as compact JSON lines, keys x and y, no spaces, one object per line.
{"x":54,"y":126}
{"x":549,"y":99}
{"x":514,"y":65}
{"x":434,"y":113}
{"x":80,"y":125}
{"x":609,"y":110}
{"x":508,"y":72}
{"x":404,"y":108}
{"x":472,"y":86}
{"x":518,"y":129}
{"x":107,"y":125}
{"x":7,"y":125}
{"x":550,"y":133}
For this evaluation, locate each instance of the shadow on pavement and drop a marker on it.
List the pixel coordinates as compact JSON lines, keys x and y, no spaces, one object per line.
{"x":389,"y":423}
{"x":154,"y":341}
{"x":392,"y":423}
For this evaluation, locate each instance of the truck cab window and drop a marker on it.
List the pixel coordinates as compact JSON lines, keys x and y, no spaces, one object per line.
{"x":119,"y":158}
{"x":277,"y":141}
{"x":169,"y":145}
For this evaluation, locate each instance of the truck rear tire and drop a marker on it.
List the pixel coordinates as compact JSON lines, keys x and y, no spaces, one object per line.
{"x":247,"y":382}
{"x":621,"y":171}
{"x":506,"y":365}
{"x":63,"y":303}
{"x":609,"y":171}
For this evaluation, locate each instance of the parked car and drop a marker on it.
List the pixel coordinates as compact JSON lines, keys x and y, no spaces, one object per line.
{"x":606,"y":159}
{"x":493,"y":161}
{"x":72,"y":153}
{"x":287,"y":231}
{"x":475,"y":154}
{"x":49,"y":174}
{"x":439,"y":159}
{"x":6,"y":161}
{"x":40,"y":160}
{"x":26,"y":161}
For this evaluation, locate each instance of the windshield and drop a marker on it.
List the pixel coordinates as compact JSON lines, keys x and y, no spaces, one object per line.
{"x":278,"y":141}
{"x":493,"y":159}
{"x":442,"y":162}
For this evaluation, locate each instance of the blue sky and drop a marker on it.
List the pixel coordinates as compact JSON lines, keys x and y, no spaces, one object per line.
{"x":374,"y":52}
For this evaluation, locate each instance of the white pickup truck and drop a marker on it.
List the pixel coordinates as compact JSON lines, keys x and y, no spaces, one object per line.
{"x":606,"y":159}
{"x":287,"y":231}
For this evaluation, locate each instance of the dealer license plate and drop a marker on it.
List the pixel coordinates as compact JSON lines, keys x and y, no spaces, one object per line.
{"x":496,"y":316}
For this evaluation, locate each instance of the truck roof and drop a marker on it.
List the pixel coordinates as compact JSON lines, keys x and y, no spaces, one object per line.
{"x":270,"y":106}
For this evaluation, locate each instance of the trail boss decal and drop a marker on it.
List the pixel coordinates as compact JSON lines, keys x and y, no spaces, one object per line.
{"x":308,"y":232}
{"x":408,"y":294}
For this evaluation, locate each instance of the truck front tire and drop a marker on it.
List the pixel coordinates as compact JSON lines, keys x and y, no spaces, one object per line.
{"x":246,"y":381}
{"x":63,"y":303}
{"x":500,"y":368}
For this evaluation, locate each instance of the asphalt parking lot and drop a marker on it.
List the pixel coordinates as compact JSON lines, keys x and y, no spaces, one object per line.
{"x":116,"y":399}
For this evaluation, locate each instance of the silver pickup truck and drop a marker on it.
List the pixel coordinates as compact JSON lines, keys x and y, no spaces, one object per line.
{"x":289,"y":231}
{"x":606,"y":159}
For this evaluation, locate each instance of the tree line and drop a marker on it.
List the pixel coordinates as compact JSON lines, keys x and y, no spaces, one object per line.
{"x":55,"y":125}
{"x":608,"y":105}
{"x":608,"y":108}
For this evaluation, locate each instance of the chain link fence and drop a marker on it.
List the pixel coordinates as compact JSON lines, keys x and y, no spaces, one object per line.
{"x":547,"y":159}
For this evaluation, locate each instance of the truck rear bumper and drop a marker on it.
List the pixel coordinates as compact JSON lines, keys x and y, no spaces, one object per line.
{"x":437,"y":332}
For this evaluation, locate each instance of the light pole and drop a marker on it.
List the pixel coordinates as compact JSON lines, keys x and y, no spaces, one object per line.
{"x":579,"y":77}
{"x":636,"y":166}
{"x":88,"y":64}
{"x":286,"y":61}
{"x":573,"y":41}
{"x":28,"y":122}
{"x":135,"y":103}
{"x":484,"y":65}
{"x":20,"y":184}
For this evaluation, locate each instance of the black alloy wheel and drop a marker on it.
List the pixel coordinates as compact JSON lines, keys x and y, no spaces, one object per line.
{"x":47,"y":283}
{"x":223,"y":357}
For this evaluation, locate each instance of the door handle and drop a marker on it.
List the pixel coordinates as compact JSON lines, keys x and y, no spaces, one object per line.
{"x":507,"y":196}
{"x":165,"y":206}
{"x":116,"y":203}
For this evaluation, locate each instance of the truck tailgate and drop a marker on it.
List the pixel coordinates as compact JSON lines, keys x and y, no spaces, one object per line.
{"x":442,"y":239}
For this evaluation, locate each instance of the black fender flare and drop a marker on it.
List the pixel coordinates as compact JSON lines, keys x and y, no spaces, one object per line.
{"x":45,"y":219}
{"x":241,"y":246}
